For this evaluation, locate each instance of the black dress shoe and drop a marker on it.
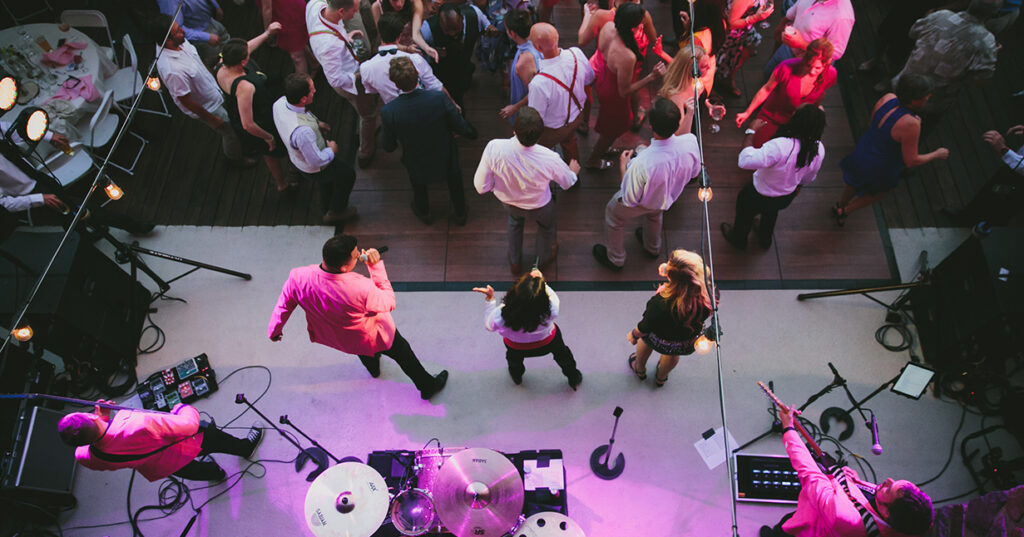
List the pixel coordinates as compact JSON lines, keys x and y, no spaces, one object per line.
{"x":639,"y":234}
{"x":730,"y":238}
{"x":517,"y":378}
{"x":423,"y":216}
{"x":460,"y":219}
{"x":364,"y":162}
{"x":575,"y":379}
{"x":439,"y":381}
{"x":372,"y":365}
{"x":601,"y":256}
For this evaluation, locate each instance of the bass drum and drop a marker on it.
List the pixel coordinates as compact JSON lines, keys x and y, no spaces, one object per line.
{"x":549,"y":524}
{"x":412,"y":512}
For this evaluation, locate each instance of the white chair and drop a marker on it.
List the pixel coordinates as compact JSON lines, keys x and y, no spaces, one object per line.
{"x":90,"y":18}
{"x":102,"y":127}
{"x":127,"y":82}
{"x":67,"y":169}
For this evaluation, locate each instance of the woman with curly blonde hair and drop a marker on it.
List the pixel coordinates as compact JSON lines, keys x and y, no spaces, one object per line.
{"x":674,"y":317}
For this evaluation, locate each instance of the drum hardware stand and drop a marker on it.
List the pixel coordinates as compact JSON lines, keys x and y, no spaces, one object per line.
{"x":601,"y":468}
{"x":315,"y":454}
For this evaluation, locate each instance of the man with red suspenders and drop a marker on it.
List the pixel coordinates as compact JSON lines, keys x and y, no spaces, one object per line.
{"x":333,"y":48}
{"x":557,"y":91}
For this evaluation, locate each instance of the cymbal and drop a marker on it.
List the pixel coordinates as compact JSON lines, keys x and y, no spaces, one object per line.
{"x":549,"y":524}
{"x":478,"y":493}
{"x":347,"y":500}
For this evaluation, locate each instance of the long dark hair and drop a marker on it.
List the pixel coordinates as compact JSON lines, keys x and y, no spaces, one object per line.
{"x":627,"y":17}
{"x":709,"y":14}
{"x":526,"y":304}
{"x":806,"y":127}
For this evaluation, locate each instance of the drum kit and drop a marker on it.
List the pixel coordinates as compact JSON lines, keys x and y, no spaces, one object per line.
{"x":474,"y":492}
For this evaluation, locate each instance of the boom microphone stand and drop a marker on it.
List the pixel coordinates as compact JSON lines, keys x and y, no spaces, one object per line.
{"x":316,"y":454}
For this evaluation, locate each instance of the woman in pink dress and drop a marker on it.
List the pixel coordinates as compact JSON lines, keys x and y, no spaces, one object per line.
{"x":794,"y":82}
{"x":293,"y":37}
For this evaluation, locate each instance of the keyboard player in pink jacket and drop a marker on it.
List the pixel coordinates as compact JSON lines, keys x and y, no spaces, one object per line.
{"x":350,"y":312}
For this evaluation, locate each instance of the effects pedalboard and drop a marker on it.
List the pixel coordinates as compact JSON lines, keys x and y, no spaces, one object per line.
{"x":186,"y":382}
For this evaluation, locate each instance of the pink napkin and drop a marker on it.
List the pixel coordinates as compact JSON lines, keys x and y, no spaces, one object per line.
{"x":75,"y":87}
{"x":63,"y":55}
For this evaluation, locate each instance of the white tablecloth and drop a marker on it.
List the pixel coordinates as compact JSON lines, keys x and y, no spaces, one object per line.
{"x":63,"y":114}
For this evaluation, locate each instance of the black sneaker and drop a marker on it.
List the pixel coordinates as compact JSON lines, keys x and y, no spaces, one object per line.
{"x":255,"y":437}
{"x":439,"y":381}
{"x":601,"y":256}
{"x":221,"y":476}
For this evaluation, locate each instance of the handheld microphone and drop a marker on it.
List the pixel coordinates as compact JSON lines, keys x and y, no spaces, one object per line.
{"x":877,"y":447}
{"x":381,"y":250}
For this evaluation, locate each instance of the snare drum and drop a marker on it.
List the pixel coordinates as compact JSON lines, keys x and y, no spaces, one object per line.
{"x":428,"y":463}
{"x":412,"y":512}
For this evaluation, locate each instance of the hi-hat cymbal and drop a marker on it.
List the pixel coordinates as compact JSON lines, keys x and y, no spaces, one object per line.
{"x":478,"y":493}
{"x":549,"y":524}
{"x":348,"y":500}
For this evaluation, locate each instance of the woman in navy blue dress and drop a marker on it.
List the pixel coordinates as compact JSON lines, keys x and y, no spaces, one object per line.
{"x":889,"y":144}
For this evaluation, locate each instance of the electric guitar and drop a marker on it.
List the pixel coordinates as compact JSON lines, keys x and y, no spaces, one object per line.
{"x":824,"y":460}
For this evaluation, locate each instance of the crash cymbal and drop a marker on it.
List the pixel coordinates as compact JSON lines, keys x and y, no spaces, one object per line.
{"x":478,"y":493}
{"x":549,"y":524}
{"x":348,"y":500}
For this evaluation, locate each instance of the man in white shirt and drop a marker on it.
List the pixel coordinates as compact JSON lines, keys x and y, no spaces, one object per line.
{"x":650,"y":185}
{"x":192,"y":86}
{"x":519,"y":172}
{"x":558,"y":92}
{"x":808,"y":20}
{"x":374,"y":71}
{"x":315,"y":157}
{"x":333,"y":48}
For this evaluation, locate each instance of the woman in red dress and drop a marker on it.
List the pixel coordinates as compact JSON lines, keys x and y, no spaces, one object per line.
{"x":794,"y":82}
{"x":292,"y":38}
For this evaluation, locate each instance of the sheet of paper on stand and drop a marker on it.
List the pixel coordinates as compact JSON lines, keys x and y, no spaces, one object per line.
{"x":551,"y":477}
{"x":712,"y":449}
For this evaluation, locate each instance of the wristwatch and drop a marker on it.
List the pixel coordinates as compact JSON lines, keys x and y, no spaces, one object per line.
{"x":749,"y":131}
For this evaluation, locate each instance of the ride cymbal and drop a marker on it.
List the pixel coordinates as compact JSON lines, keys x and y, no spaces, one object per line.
{"x":478,"y":493}
{"x":347,"y":500}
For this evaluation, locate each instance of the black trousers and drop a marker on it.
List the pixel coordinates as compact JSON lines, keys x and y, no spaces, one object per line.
{"x":421,"y":196}
{"x":557,"y":348}
{"x":402,"y":354}
{"x":777,"y":530}
{"x":335,"y":183}
{"x":750,"y":203}
{"x":998,"y":201}
{"x":214,"y":441}
{"x":98,"y":216}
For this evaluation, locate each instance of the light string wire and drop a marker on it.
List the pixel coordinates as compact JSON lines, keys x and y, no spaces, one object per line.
{"x":20,"y":316}
{"x":709,"y":269}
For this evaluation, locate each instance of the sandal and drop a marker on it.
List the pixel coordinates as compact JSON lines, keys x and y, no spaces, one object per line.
{"x":658,"y":383}
{"x":639,"y":375}
{"x":839,"y":214}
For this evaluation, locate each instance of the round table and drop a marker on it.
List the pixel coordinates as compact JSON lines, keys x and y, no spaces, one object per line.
{"x":94,"y":64}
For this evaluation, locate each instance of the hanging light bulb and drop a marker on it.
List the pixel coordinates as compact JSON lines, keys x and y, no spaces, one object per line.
{"x":113,"y":191}
{"x":22,"y":333}
{"x":153,"y":83}
{"x":703,"y":344}
{"x":704,"y":193}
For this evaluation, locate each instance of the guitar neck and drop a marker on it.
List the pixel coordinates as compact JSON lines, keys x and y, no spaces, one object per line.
{"x":796,"y":422}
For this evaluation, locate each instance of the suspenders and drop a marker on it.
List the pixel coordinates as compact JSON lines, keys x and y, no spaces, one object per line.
{"x":572,"y":96}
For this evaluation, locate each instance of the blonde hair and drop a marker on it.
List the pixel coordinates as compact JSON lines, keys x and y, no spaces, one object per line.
{"x":679,"y":71}
{"x":685,"y":289}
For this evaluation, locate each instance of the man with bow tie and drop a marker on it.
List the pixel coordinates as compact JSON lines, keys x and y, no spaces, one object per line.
{"x":374,"y":71}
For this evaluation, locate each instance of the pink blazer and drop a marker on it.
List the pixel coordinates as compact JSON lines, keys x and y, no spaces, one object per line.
{"x":141,"y":432}
{"x":823,"y":509}
{"x":346,"y":311}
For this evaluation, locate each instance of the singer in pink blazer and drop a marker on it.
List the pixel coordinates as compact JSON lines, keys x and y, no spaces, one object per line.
{"x":157,"y":444}
{"x":350,"y":312}
{"x":825,"y":509}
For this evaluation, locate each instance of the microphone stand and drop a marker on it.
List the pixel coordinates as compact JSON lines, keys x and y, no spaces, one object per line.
{"x":315,"y":454}
{"x":72,"y":400}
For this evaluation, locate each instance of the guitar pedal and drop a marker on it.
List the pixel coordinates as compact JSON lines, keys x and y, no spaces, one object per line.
{"x":200,"y":386}
{"x":185,"y":389}
{"x":168,"y":376}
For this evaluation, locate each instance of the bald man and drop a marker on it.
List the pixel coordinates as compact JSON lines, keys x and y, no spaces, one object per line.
{"x":558,"y":91}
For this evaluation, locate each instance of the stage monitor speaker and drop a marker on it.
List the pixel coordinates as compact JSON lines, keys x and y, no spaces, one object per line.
{"x":81,"y":312}
{"x":40,"y":468}
{"x":971,"y":317}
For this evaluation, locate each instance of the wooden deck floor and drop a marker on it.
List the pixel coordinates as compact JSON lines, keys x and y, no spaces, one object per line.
{"x":183,"y":179}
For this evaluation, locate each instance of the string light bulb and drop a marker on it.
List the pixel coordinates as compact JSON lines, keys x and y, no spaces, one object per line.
{"x":704,"y":193}
{"x":22,"y":333}
{"x":113,"y":191}
{"x":703,"y":345}
{"x":153,"y":83}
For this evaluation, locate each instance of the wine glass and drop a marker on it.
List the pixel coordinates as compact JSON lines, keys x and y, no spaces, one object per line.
{"x":717,"y":111}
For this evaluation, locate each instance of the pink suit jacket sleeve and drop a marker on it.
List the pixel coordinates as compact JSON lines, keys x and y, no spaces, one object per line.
{"x":286,"y":304}
{"x":823,"y":510}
